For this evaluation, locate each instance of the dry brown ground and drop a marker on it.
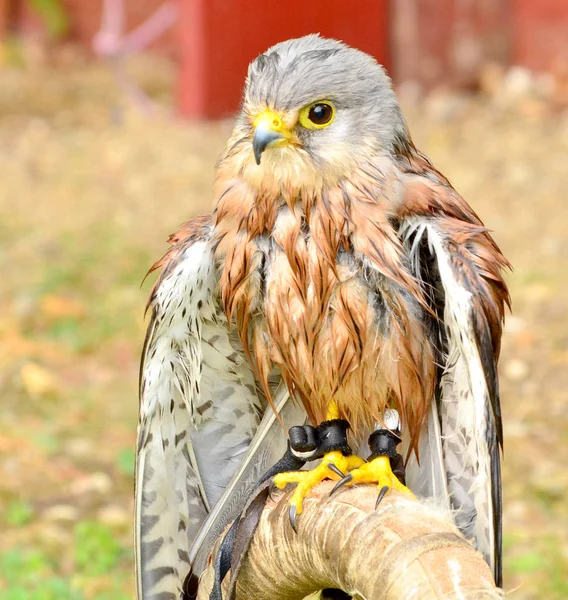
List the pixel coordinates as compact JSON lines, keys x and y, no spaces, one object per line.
{"x":89,"y":190}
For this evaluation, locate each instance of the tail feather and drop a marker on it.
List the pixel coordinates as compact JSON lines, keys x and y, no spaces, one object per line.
{"x":427,"y":478}
{"x":159,"y":555}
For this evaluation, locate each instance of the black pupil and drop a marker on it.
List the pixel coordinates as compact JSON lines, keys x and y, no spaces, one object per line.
{"x":320,"y":114}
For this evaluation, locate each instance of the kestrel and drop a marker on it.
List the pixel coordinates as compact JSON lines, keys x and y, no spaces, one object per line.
{"x":341,"y":270}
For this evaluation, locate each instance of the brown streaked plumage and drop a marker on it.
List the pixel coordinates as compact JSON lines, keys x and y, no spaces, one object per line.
{"x":309,"y":310}
{"x":340,"y":262}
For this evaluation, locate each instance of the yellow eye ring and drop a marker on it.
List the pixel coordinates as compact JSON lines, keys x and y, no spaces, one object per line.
{"x":317,"y":115}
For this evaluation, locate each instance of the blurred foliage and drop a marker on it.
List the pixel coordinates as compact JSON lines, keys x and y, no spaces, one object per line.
{"x":18,"y":513}
{"x":32,"y":574}
{"x":53,"y":15}
{"x":96,"y":550}
{"x":29,"y":577}
{"x":126,"y":461}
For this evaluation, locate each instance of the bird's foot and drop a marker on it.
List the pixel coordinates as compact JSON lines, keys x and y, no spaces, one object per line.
{"x":327,"y":441}
{"x":334,"y":465}
{"x":377,"y":471}
{"x":379,"y":468}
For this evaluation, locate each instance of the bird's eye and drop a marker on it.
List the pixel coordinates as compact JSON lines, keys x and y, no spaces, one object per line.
{"x":317,"y":115}
{"x":320,"y":114}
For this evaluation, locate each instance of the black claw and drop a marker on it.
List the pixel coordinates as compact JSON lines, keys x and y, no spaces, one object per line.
{"x":292,"y":515}
{"x":271,"y":490}
{"x":336,"y":470}
{"x":341,"y":483}
{"x":381,"y":495}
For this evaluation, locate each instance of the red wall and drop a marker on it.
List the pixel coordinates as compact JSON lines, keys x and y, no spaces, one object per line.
{"x":84,"y":19}
{"x":3,"y":15}
{"x":448,"y":41}
{"x":220,"y":37}
{"x":540,"y":39}
{"x":430,"y":42}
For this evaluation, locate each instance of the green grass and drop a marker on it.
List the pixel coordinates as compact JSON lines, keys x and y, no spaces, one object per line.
{"x":31,"y":574}
{"x":18,"y":513}
{"x":126,"y":461}
{"x":538,"y":563}
{"x":96,"y":550}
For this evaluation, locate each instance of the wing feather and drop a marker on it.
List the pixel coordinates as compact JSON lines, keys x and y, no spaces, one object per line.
{"x":199,"y":409}
{"x":266,"y":448}
{"x":427,"y":478}
{"x":468,"y":401}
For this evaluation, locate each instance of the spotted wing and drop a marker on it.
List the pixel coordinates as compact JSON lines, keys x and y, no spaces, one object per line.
{"x":199,"y":410}
{"x":460,"y":267}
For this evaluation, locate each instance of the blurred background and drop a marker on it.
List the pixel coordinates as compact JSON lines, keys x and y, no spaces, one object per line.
{"x":112,"y":114}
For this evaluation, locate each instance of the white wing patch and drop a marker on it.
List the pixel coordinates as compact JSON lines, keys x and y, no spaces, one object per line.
{"x":464,"y":399}
{"x":198,"y":413}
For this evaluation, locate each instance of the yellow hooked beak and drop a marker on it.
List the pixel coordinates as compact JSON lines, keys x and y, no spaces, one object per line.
{"x":269,"y":131}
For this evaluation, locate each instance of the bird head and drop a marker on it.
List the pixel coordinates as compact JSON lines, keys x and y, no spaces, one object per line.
{"x":313,"y":109}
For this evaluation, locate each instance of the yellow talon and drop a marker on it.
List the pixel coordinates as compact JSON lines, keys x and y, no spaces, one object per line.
{"x":306,"y":480}
{"x":334,"y":465}
{"x":378,"y":471}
